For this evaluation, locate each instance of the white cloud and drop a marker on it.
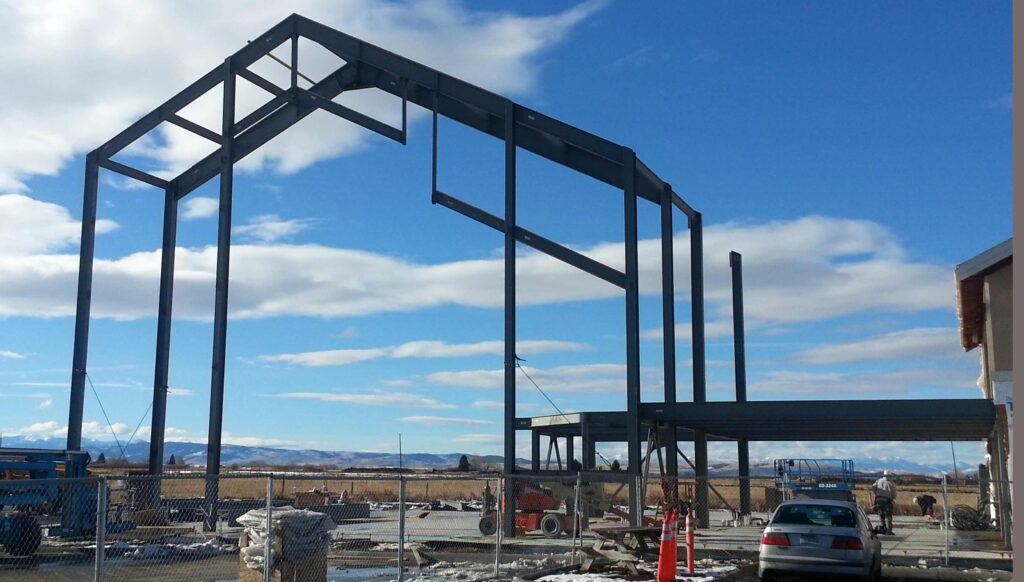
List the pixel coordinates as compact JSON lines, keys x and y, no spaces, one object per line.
{"x":29,"y":226}
{"x":252,"y":441}
{"x":370,"y":399}
{"x":801,"y":271}
{"x":12,"y":355}
{"x":101,"y":431}
{"x":592,"y":378}
{"x":478,"y":439}
{"x":42,"y":384}
{"x":90,"y":429}
{"x":68,"y":385}
{"x":326,"y":358}
{"x":810,"y":269}
{"x":50,"y":428}
{"x":684,"y":332}
{"x":488,"y":404}
{"x":174,"y":43}
{"x":268,"y":228}
{"x":840,"y":385}
{"x":442,"y":420}
{"x":397,"y":383}
{"x":45,"y":400}
{"x":350,"y":332}
{"x":420,"y":349}
{"x":200,"y":207}
{"x":925,"y":342}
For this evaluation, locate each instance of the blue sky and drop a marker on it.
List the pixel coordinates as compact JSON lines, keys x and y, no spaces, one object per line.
{"x":854,"y":153}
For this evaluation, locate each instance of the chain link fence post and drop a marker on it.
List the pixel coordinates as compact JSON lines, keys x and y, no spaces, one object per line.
{"x":498,"y":507}
{"x":401,"y":528}
{"x":947,"y":517}
{"x":577,"y":519}
{"x":101,"y":527}
{"x":268,"y":554}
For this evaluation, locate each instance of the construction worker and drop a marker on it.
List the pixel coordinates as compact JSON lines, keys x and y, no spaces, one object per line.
{"x":488,"y":498}
{"x":926,"y":503}
{"x":885,"y":499}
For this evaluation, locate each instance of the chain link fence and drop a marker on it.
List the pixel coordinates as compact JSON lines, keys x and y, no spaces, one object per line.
{"x":426,"y":528}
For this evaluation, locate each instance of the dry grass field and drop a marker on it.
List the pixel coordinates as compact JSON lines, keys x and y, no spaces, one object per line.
{"x":471,"y":488}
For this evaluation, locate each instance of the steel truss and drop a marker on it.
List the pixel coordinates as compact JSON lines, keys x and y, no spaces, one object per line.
{"x":367,"y":66}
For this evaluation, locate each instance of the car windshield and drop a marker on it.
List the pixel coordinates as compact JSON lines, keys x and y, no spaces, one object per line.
{"x":826,"y":515}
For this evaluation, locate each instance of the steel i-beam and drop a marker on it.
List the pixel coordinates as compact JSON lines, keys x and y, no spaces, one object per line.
{"x":740,"y":363}
{"x":700,"y":439}
{"x":668,"y":314}
{"x":220,"y":316}
{"x":510,"y":316}
{"x":85,"y":260}
{"x":632,"y":335}
{"x":163,"y":333}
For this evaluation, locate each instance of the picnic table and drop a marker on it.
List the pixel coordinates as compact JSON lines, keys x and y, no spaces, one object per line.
{"x":622,"y":545}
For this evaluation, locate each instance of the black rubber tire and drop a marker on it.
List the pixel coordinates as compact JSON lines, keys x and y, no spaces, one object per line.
{"x":551,"y":525}
{"x":28,"y":538}
{"x":876,"y":572}
{"x":488,"y":525}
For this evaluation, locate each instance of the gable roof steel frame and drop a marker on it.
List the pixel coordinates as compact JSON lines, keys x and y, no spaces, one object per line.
{"x":368,"y":66}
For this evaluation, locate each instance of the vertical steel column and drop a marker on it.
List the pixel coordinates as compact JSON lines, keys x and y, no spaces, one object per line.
{"x":570,"y":451}
{"x":163,"y":337}
{"x":700,"y":439}
{"x":510,"y":314}
{"x":740,"y":363}
{"x":632,"y":333}
{"x":668,"y":316}
{"x":589,"y":460}
{"x":295,"y":61}
{"x":85,"y":257}
{"x":534,"y":450}
{"x":220,"y":317}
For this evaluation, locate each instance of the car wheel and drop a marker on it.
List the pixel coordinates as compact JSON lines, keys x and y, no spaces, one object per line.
{"x":876,"y":573}
{"x":551,"y":525}
{"x":488,"y":525}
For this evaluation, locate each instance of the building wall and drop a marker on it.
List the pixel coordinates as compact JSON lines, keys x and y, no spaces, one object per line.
{"x":997,"y":345}
{"x":998,"y":297}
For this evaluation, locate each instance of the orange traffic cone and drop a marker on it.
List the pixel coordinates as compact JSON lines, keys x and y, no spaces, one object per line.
{"x":667,"y":552}
{"x":675,"y":536}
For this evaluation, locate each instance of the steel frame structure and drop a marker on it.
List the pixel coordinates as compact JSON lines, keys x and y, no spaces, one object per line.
{"x":367,"y":66}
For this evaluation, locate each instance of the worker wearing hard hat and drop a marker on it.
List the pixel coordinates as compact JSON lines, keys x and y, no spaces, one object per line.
{"x":885,"y":499}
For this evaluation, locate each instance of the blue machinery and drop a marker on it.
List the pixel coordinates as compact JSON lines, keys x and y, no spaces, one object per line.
{"x":40,"y":482}
{"x":816,"y":478}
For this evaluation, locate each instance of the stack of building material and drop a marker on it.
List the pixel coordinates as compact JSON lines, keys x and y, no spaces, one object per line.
{"x":299,"y":540}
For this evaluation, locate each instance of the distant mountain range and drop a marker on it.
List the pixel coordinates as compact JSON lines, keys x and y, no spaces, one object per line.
{"x":243,"y":456}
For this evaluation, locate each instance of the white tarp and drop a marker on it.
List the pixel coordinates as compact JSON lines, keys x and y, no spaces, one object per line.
{"x":304,"y":534}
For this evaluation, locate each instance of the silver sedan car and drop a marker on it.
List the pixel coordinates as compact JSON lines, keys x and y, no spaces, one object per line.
{"x":818,"y":536}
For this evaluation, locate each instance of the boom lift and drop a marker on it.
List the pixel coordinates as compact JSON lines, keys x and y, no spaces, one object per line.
{"x":815,"y":478}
